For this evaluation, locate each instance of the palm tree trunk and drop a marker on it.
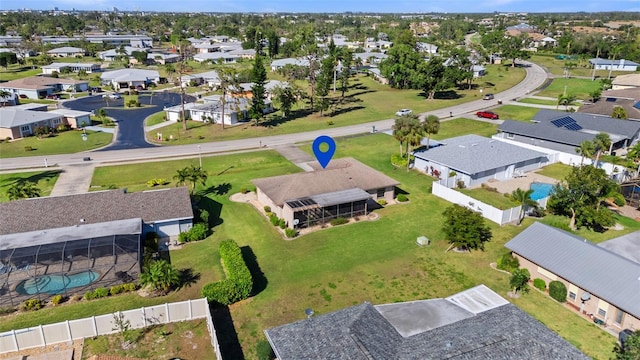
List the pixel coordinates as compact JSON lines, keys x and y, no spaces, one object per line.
{"x":572,"y":222}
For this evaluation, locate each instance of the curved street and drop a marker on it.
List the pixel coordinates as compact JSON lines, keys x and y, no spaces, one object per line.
{"x":535,"y":77}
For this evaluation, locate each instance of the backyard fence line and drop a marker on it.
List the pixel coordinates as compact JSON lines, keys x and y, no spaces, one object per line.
{"x":489,"y":212}
{"x":43,"y":335}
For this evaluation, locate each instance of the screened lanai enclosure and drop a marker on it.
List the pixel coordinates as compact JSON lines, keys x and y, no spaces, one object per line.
{"x":69,"y":260}
{"x":321,"y":209}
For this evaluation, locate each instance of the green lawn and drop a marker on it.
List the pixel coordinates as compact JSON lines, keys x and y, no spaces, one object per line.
{"x":580,"y":88}
{"x":18,"y":72}
{"x":37,"y":101}
{"x":366,"y":101}
{"x":556,"y":67}
{"x":492,"y":198}
{"x":515,"y":112}
{"x":62,"y":143}
{"x":45,"y":180}
{"x":155,"y":119}
{"x":543,"y":102}
{"x":327,"y":270}
{"x":557,"y":171}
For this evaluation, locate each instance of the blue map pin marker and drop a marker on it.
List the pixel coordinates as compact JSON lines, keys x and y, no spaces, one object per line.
{"x":324,"y":157}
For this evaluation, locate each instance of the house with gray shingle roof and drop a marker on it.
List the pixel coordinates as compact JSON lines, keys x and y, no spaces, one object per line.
{"x":617,"y":65}
{"x":345,"y":188}
{"x":474,"y":324}
{"x":561,"y":131}
{"x":600,"y":283}
{"x":19,"y":123}
{"x":476,"y":159}
{"x":96,"y":238}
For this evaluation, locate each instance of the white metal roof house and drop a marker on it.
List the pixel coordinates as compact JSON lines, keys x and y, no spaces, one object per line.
{"x":66,"y":51}
{"x":73,"y":67}
{"x":476,"y":159}
{"x":226,"y":58}
{"x":127,"y":78}
{"x":561,"y":131}
{"x":18,"y":123}
{"x":474,"y":324}
{"x":600,"y":283}
{"x":280,"y":63}
{"x":617,"y":65}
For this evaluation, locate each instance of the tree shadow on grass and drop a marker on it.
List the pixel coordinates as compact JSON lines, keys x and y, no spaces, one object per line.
{"x":46,"y":175}
{"x":226,"y":333}
{"x":188,"y":277}
{"x":278,"y":120}
{"x":214,"y":209}
{"x":259,"y":280}
{"x":220,"y":189}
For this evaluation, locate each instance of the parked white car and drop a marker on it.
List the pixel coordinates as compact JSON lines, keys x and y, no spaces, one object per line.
{"x":404,"y":112}
{"x":113,"y":96}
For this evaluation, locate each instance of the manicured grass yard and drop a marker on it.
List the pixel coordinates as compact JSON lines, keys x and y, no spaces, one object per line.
{"x":67,"y":142}
{"x":580,"y":88}
{"x":18,"y":72}
{"x":583,"y":68}
{"x":557,"y":171}
{"x":544,"y":102}
{"x":366,"y":101}
{"x":154,"y":119}
{"x":374,"y":261}
{"x":45,"y":180}
{"x":490,"y":198}
{"x":515,"y":112}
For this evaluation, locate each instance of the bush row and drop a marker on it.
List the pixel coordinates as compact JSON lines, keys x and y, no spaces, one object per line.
{"x":539,"y":284}
{"x":104,"y":292}
{"x":508,"y":262}
{"x":558,"y":291}
{"x":238,"y":284}
{"x":197,"y":232}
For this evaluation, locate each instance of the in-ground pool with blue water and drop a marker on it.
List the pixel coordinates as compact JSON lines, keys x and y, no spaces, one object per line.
{"x":56,"y":284}
{"x":541,"y":190}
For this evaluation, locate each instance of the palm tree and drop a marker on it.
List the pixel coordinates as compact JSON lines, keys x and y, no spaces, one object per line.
{"x":586,"y":149}
{"x":634,"y":153}
{"x":400,"y":131}
{"x":4,"y":95}
{"x":23,"y":190}
{"x":170,"y":69}
{"x":229,"y":84}
{"x":414,"y":135}
{"x":619,"y":113}
{"x":160,"y":275}
{"x":82,"y":73}
{"x":523,"y":197}
{"x":601,"y":142}
{"x":431,"y":126}
{"x":565,"y":100}
{"x":191,"y":175}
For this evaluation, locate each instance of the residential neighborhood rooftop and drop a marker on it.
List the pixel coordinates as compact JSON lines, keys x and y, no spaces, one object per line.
{"x":424,"y":329}
{"x":38,"y":82}
{"x":589,"y":266}
{"x":10,"y":117}
{"x":627,"y":246}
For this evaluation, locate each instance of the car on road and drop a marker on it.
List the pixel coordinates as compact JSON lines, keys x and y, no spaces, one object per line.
{"x":53,"y":97}
{"x":404,"y":112}
{"x":114,"y":96}
{"x":488,"y":97}
{"x":487,"y":115}
{"x":23,"y":96}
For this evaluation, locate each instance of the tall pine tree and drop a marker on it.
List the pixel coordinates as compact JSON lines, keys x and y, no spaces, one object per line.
{"x":259,"y":94}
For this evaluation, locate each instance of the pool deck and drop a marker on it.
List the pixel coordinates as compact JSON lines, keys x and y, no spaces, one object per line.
{"x":507,"y":186}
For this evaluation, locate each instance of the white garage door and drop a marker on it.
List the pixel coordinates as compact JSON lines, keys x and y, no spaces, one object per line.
{"x":167,"y":229}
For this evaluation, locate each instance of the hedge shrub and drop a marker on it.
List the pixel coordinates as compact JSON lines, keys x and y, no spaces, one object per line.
{"x":238,"y":284}
{"x":508,"y":262}
{"x":267,"y":209}
{"x":274,"y":219}
{"x":290,"y":233}
{"x":558,"y":291}
{"x":32,"y":304}
{"x":339,"y":221}
{"x":197,"y":232}
{"x":539,"y":284}
{"x":402,"y":198}
{"x":100,"y":293}
{"x":264,"y":351}
{"x":57,"y":299}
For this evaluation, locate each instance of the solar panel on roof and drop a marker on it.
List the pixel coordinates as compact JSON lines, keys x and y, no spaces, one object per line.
{"x":573,"y":126}
{"x":611,"y":99}
{"x":563,"y":121}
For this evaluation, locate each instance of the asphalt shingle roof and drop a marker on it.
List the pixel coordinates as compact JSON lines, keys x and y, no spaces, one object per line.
{"x":363,"y":332}
{"x":472,"y":154}
{"x":95,"y":207}
{"x":340,"y":174}
{"x":605,"y":274}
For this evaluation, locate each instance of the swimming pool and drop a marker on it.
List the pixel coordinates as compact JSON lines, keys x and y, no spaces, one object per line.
{"x":541,"y":190}
{"x":56,"y":284}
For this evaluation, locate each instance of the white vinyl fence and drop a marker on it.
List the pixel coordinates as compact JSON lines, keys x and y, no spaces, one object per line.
{"x":489,"y":212}
{"x":43,"y":335}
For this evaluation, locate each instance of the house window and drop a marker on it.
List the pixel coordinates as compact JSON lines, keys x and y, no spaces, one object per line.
{"x":572,"y":295}
{"x":619,"y":316}
{"x":510,"y":136}
{"x":380,"y":193}
{"x":56,"y":121}
{"x":25,"y":128}
{"x":602,"y":312}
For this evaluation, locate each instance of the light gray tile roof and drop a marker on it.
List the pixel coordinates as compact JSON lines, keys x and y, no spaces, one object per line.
{"x":10,"y":118}
{"x":65,"y":49}
{"x":95,"y":207}
{"x":130,"y":75}
{"x":599,"y":61}
{"x":473,"y":154}
{"x":627,"y":246}
{"x":609,"y":276}
{"x":340,"y":174}
{"x":439,"y":331}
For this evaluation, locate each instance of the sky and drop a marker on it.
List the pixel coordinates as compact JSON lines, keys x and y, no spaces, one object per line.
{"x":335,"y":6}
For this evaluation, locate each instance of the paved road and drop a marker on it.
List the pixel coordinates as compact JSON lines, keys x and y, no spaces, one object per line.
{"x":130,"y":134}
{"x":536,"y":76}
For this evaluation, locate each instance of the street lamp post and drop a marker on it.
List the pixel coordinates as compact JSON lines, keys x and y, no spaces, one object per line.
{"x":200,"y":155}
{"x":84,"y":139}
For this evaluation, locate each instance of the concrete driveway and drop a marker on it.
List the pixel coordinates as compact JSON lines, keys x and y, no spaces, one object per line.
{"x":130,"y":134}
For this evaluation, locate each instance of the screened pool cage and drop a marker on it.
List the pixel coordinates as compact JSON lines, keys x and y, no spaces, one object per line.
{"x":68,"y":261}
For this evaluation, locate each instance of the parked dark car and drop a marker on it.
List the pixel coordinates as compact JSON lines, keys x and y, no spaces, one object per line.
{"x":23,"y":96}
{"x":487,"y":115}
{"x":623,"y":335}
{"x":53,"y":97}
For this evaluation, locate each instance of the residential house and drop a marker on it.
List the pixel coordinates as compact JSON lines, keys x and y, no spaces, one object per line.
{"x":601,"y":284}
{"x":243,"y":53}
{"x":626,"y":98}
{"x":216,"y":57}
{"x":345,"y":188}
{"x":561,"y":131}
{"x":138,"y":41}
{"x":206,"y":47}
{"x":377,"y":75}
{"x":112,"y":54}
{"x":100,"y":234}
{"x":236,"y":109}
{"x":66,"y":51}
{"x":73,"y":118}
{"x":426,"y":48}
{"x":71,"y":67}
{"x":280,"y":63}
{"x":10,"y":40}
{"x":160,"y":58}
{"x":476,"y":159}
{"x":36,"y":87}
{"x":382,"y":45}
{"x":474,"y":324}
{"x":616,"y":65}
{"x":625,"y":81}
{"x":129,"y":78}
{"x":478,"y":71}
{"x":210,"y":78}
{"x":371,"y":58}
{"x":16,"y":123}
